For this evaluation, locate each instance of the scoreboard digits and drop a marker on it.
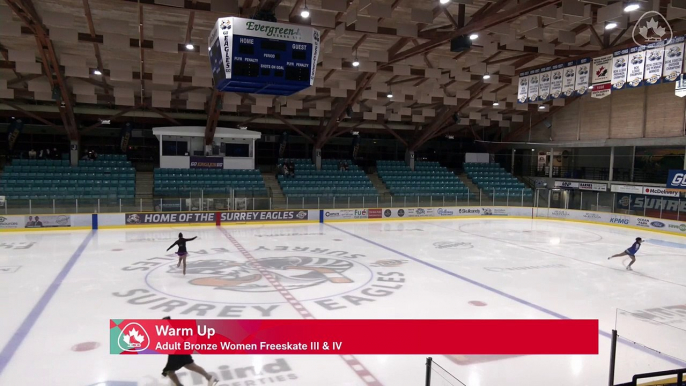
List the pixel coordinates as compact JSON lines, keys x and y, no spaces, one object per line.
{"x":262,"y":57}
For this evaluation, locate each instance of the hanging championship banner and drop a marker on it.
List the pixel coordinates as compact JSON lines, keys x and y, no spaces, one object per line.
{"x":674,"y":60}
{"x":637,"y":58}
{"x":601,"y":69}
{"x":556,"y":81}
{"x":13,"y":132}
{"x":534,"y":81}
{"x":583,"y":70}
{"x":544,"y":84}
{"x":654,"y":63}
{"x":283,"y":143}
{"x":125,"y":137}
{"x":619,"y":69}
{"x":569,"y":79}
{"x":355,"y":147}
{"x":523,"y":92}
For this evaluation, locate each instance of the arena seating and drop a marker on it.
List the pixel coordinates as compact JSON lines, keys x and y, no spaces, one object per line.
{"x":328,"y":182}
{"x":492,"y":179}
{"x":109,"y":177}
{"x":428,"y":179}
{"x":181,"y":182}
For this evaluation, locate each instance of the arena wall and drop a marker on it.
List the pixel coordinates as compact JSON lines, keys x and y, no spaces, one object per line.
{"x":644,"y":112}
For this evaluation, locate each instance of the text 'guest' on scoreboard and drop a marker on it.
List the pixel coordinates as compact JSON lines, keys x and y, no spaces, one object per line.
{"x":261,"y":57}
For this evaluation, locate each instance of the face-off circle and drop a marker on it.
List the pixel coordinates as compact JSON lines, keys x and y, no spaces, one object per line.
{"x":235,"y":281}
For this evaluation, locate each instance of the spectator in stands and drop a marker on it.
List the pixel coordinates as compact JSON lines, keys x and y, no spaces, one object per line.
{"x":340,"y":166}
{"x":47,"y":154}
{"x":345,"y":166}
{"x":32,"y":154}
{"x":40,"y":155}
{"x":291,"y":169}
{"x":55,"y":154}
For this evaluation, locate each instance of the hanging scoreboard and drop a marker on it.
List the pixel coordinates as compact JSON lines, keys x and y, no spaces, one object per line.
{"x":261,"y":57}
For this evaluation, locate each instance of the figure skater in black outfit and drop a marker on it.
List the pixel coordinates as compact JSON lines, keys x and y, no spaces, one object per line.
{"x":182,"y":252}
{"x":176,"y":362}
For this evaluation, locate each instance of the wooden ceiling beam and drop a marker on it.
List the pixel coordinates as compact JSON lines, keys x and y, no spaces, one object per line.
{"x":25,"y":10}
{"x":474,"y":26}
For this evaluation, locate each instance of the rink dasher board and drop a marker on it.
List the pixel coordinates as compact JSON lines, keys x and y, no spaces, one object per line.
{"x":119,"y":220}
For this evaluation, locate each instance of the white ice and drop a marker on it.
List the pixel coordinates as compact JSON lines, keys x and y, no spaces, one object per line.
{"x":60,"y":289}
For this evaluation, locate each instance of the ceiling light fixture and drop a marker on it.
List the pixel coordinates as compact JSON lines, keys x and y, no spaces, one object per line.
{"x":496,"y":103}
{"x":541,"y":107}
{"x":305,"y":13}
{"x":190,"y":47}
{"x":487,"y":76}
{"x":473,"y":36}
{"x":356,"y":62}
{"x":444,"y":1}
{"x":632,"y":7}
{"x":97,"y":72}
{"x":390,"y":95}
{"x":610,"y":26}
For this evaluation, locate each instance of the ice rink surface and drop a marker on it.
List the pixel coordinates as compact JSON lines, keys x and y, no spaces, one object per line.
{"x":61,"y":288}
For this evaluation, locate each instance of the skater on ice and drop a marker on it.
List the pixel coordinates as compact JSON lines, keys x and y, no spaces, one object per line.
{"x":182,"y":252}
{"x":631,"y":252}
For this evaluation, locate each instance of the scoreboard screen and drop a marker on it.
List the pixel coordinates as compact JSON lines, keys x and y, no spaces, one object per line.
{"x":260,"y":57}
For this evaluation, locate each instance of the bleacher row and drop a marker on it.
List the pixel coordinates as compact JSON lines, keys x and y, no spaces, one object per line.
{"x":55,"y":179}
{"x":328,"y":182}
{"x":178,"y":182}
{"x":495,"y":181}
{"x":428,"y":179}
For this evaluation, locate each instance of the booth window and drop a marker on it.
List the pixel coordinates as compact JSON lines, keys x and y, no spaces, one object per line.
{"x":174,"y":147}
{"x":237,"y":150}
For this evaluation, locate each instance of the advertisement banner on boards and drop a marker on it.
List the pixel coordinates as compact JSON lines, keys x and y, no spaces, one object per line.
{"x":346,"y":214}
{"x":652,"y":191}
{"x":47,"y":221}
{"x":12,"y":222}
{"x":207,"y":162}
{"x":209,"y":217}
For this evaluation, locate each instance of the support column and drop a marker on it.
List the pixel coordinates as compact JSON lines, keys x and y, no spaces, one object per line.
{"x":633,"y":163}
{"x":317,"y":158}
{"x":512,"y":168}
{"x":552,"y":159}
{"x":612,"y":163}
{"x":74,"y":153}
{"x":684,"y":158}
{"x":409,"y":159}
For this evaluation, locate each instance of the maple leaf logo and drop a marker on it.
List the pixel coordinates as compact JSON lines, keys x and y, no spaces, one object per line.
{"x":133,"y":335}
{"x":652,"y":25}
{"x":602,"y":71}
